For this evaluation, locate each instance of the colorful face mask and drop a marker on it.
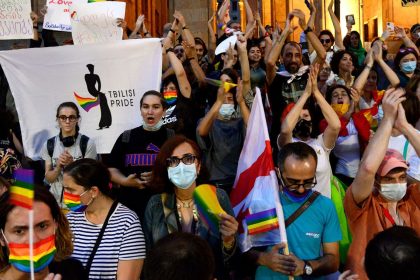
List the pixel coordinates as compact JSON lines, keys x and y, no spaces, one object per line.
{"x":72,"y":201}
{"x":170,"y":97}
{"x":297,"y":197}
{"x":340,"y":109}
{"x":43,"y":254}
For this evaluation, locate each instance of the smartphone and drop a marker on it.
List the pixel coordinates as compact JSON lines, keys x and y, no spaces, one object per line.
{"x":350,"y":19}
{"x":390,"y":26}
{"x":308,"y":4}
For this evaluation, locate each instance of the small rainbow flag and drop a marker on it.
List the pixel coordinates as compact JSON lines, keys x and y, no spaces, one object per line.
{"x":228,"y":86}
{"x":208,"y":206}
{"x":42,"y":255}
{"x":72,"y":201}
{"x":371,"y":115}
{"x":22,"y":191}
{"x":86,"y":103}
{"x":262,"y":221}
{"x":170,"y":96}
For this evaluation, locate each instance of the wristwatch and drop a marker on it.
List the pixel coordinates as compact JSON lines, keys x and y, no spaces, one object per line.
{"x":307,"y":268}
{"x":307,"y":30}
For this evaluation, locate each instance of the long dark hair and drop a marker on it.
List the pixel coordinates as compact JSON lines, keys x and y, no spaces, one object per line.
{"x":160,"y":180}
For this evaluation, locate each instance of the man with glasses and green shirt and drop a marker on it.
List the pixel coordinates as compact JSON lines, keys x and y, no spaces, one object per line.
{"x":313,"y":234}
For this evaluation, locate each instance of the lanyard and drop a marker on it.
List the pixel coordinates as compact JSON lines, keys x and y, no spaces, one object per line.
{"x":388,"y":216}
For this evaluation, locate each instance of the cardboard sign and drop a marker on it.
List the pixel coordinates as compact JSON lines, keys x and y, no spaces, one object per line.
{"x":15,"y":20}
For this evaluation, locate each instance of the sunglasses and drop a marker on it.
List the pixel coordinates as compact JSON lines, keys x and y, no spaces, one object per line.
{"x":186,"y":159}
{"x":325,"y":41}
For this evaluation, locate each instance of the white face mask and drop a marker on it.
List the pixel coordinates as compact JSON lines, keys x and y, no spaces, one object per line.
{"x":155,"y":127}
{"x":226,"y":111}
{"x":393,"y":192}
{"x":182,"y":175}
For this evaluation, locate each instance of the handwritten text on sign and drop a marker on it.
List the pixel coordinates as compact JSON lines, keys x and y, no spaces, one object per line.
{"x":15,"y":19}
{"x":58,"y":14}
{"x":96,"y":22}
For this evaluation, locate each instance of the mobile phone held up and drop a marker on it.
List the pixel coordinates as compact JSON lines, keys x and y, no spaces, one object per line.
{"x":390,"y":26}
{"x":350,"y":19}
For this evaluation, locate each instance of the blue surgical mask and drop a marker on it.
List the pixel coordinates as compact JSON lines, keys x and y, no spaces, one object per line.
{"x":226,"y":111}
{"x":182,"y":175}
{"x":295,"y":197}
{"x":408,"y":67}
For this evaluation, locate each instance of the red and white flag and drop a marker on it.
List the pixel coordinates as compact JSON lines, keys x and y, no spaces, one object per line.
{"x":255,"y":194}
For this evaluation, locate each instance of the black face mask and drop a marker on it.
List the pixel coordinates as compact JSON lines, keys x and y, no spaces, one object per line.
{"x":302,"y":129}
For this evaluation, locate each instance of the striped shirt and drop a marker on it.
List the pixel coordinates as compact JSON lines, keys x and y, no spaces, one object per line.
{"x":123,"y":240}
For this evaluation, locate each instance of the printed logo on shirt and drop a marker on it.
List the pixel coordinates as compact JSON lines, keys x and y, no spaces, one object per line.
{"x":142,"y":159}
{"x":313,"y":234}
{"x":167,"y":119}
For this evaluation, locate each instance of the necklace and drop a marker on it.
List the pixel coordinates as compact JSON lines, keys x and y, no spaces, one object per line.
{"x":185,"y":203}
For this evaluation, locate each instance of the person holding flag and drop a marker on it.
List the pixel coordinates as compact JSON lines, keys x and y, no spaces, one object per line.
{"x":38,"y":244}
{"x":256,"y":201}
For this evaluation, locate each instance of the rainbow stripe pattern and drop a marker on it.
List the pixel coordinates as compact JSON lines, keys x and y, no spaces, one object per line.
{"x":43,"y":254}
{"x":170,"y":97}
{"x":72,"y":201}
{"x":22,"y":191}
{"x":217,"y":83}
{"x":86,"y":103}
{"x":262,"y":221}
{"x":208,"y":206}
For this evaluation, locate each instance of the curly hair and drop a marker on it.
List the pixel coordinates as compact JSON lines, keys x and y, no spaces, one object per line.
{"x":336,"y":58}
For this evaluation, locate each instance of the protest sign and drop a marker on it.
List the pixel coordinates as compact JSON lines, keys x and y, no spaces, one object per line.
{"x":15,"y":20}
{"x":58,"y":14}
{"x":105,"y":80}
{"x":96,"y":22}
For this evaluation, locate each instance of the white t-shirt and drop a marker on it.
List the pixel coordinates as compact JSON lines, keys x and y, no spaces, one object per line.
{"x":347,"y":151}
{"x":323,"y":168}
{"x":123,"y":239}
{"x":401,"y":144}
{"x":57,"y":186}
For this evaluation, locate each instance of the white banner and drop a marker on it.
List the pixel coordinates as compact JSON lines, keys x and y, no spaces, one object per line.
{"x":106,"y":81}
{"x":96,"y":22}
{"x":15,"y":20}
{"x":58,"y":14}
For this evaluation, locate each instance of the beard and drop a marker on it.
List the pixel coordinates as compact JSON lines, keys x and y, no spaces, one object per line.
{"x":292,"y":67}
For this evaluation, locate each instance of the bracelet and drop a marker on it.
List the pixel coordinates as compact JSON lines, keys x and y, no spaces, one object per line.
{"x":171,"y":30}
{"x":307,"y":30}
{"x":368,"y":67}
{"x":170,"y":50}
{"x":185,"y":27}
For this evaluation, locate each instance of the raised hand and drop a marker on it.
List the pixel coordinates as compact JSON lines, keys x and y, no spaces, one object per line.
{"x":392,"y":98}
{"x":190,"y":51}
{"x":301,"y":16}
{"x":399,"y":32}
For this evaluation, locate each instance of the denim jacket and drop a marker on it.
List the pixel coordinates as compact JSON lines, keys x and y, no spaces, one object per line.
{"x":158,"y":224}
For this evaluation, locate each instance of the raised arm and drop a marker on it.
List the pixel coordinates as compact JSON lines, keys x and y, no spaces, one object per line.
{"x":310,"y":35}
{"x":292,"y":117}
{"x":139,"y":23}
{"x":337,"y":28}
{"x":192,"y":58}
{"x":206,"y":123}
{"x":334,"y":125}
{"x":360,"y":82}
{"x":123,"y":24}
{"x":186,"y":32}
{"x":407,"y":130}
{"x":376,"y":149}
{"x":240,"y":93}
{"x":249,"y":16}
{"x":212,"y":39}
{"x":276,"y":49}
{"x":389,"y":73}
{"x":400,"y":33}
{"x":221,"y":16}
{"x":243,"y":60}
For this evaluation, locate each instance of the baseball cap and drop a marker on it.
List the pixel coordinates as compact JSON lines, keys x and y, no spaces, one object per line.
{"x":392,"y":159}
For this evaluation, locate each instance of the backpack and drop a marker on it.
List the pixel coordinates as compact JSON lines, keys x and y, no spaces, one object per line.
{"x":83,"y":145}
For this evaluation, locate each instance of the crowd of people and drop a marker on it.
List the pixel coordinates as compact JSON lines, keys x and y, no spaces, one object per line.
{"x":343,"y":119}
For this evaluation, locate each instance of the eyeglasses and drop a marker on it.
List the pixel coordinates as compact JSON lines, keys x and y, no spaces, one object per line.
{"x":307,"y":184}
{"x":186,"y":159}
{"x":325,"y":69}
{"x":326,"y":41}
{"x":71,"y":118}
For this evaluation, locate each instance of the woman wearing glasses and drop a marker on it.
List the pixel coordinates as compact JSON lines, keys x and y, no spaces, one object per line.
{"x":176,"y":173}
{"x":69,"y":145}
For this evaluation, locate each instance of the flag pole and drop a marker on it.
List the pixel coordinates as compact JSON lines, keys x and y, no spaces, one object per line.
{"x":31,"y":242}
{"x":286,"y":252}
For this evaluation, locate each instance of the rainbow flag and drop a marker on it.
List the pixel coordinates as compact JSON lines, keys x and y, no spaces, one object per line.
{"x":22,"y":191}
{"x":170,"y":97}
{"x":43,"y":254}
{"x":371,"y":116}
{"x":262,"y":221}
{"x":208,"y":206}
{"x":228,"y":86}
{"x":86,"y":103}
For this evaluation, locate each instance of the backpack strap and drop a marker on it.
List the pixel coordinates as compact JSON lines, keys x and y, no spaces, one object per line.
{"x":83,"y":144}
{"x":126,"y":136}
{"x":301,"y":209}
{"x":50,"y":146}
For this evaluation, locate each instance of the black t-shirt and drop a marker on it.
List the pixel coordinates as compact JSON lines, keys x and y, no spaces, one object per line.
{"x":136,"y":152}
{"x":181,"y":118}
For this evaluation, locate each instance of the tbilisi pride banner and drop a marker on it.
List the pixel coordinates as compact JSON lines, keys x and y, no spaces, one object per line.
{"x":58,"y":14}
{"x":106,"y":81}
{"x":96,"y":22}
{"x":15,"y":20}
